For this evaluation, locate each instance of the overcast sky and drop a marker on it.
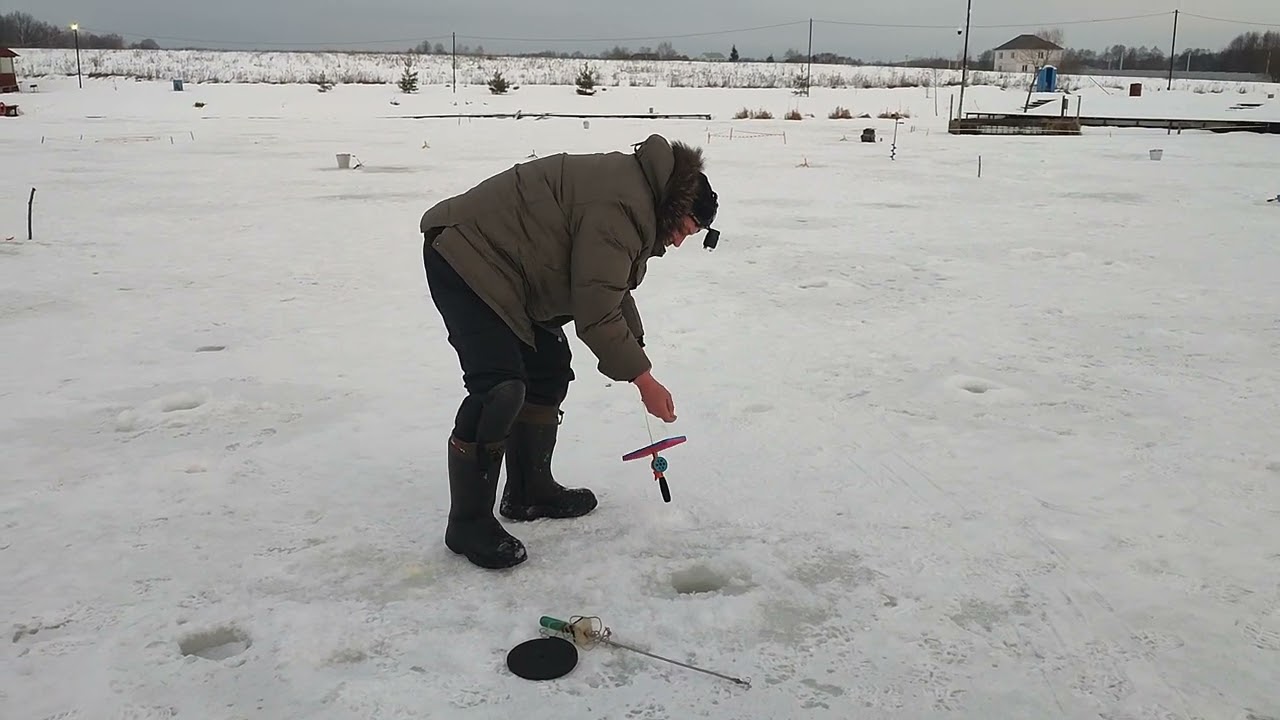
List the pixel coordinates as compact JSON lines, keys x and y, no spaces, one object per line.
{"x":597,"y":24}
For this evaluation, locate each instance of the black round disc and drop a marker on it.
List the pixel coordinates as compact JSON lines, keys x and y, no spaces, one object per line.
{"x":546,"y":658}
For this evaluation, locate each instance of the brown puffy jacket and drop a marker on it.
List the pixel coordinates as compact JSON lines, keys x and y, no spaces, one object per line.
{"x":567,"y":238}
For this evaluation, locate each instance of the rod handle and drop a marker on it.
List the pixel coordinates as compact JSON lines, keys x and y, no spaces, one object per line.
{"x":554,"y":624}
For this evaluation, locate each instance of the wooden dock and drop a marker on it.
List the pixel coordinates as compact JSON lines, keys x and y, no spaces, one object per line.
{"x":1040,"y":124}
{"x":1013,"y":124}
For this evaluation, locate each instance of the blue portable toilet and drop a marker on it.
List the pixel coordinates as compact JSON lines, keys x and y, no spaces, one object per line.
{"x":1047,"y":79}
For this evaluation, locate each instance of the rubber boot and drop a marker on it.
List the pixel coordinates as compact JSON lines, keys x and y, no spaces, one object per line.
{"x":531,"y":492}
{"x":473,"y":531}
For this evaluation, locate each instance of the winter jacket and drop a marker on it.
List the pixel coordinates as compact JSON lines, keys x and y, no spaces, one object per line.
{"x":567,"y":238}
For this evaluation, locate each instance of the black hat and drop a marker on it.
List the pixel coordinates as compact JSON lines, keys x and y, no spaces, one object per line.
{"x":705,"y":206}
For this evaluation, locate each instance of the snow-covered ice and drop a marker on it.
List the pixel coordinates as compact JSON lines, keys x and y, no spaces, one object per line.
{"x":981,"y":448}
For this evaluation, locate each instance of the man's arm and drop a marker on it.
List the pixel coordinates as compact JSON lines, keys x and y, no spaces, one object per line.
{"x":632,"y":315}
{"x":603,"y":251}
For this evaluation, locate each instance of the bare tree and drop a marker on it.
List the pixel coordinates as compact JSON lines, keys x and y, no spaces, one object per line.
{"x":1053,"y":35}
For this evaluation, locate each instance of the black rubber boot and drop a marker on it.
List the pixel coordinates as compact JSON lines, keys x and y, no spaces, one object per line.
{"x":473,"y":531}
{"x":531,"y":492}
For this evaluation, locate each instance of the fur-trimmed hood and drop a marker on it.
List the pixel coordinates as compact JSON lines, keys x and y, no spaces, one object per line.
{"x":673,"y":171}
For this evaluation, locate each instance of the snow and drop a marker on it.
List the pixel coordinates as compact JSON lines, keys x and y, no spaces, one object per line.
{"x":997,"y":447}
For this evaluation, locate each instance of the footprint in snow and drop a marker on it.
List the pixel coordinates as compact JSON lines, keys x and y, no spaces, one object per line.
{"x":967,"y":386}
{"x":152,"y":412}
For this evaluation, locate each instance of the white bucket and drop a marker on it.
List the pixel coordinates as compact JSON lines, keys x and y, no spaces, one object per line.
{"x":1157,"y":154}
{"x":344,"y":161}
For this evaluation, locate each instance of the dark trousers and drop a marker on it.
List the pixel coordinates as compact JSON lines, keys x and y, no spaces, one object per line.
{"x":489,"y":352}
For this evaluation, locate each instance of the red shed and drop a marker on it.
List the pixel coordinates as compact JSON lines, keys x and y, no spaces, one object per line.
{"x":8,"y":77}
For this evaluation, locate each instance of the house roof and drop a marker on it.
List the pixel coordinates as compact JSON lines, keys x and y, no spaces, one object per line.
{"x":7,"y":53}
{"x":1029,"y":42}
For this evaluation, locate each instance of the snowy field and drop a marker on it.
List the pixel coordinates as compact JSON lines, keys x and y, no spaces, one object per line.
{"x":997,"y":447}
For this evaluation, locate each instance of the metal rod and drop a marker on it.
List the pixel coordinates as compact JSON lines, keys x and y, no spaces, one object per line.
{"x":964,"y":60}
{"x":1173,"y":48}
{"x":617,"y":644}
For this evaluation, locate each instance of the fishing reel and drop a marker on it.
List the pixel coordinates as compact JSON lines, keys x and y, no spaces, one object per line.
{"x":659,"y":464}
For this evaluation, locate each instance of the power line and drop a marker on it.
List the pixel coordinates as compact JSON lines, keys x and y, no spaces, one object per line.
{"x":680,"y":36}
{"x":264,"y":42}
{"x":1232,"y":22}
{"x":993,"y":27}
{"x":486,"y":38}
{"x":634,"y":39}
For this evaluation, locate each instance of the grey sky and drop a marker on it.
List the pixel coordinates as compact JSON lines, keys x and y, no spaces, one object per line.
{"x":400,"y":24}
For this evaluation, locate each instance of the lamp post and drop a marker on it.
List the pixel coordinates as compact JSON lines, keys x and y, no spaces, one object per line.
{"x":75,"y":29}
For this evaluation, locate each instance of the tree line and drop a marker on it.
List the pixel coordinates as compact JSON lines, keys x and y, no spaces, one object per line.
{"x":1250,"y":52}
{"x":21,"y":30}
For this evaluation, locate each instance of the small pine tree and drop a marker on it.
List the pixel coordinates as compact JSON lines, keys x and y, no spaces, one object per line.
{"x":409,"y":80}
{"x":586,"y":81}
{"x":733,"y":54}
{"x":801,"y":84}
{"x":497,"y":83}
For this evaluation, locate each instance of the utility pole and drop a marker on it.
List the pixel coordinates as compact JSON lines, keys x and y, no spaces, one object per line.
{"x":808,"y":80}
{"x":1173,"y":49}
{"x":964,"y":59}
{"x":455,"y":63}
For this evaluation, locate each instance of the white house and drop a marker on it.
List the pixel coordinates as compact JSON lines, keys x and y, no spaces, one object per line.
{"x":1027,"y":53}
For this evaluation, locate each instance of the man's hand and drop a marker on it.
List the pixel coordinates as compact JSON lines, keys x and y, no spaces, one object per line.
{"x":657,"y":400}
